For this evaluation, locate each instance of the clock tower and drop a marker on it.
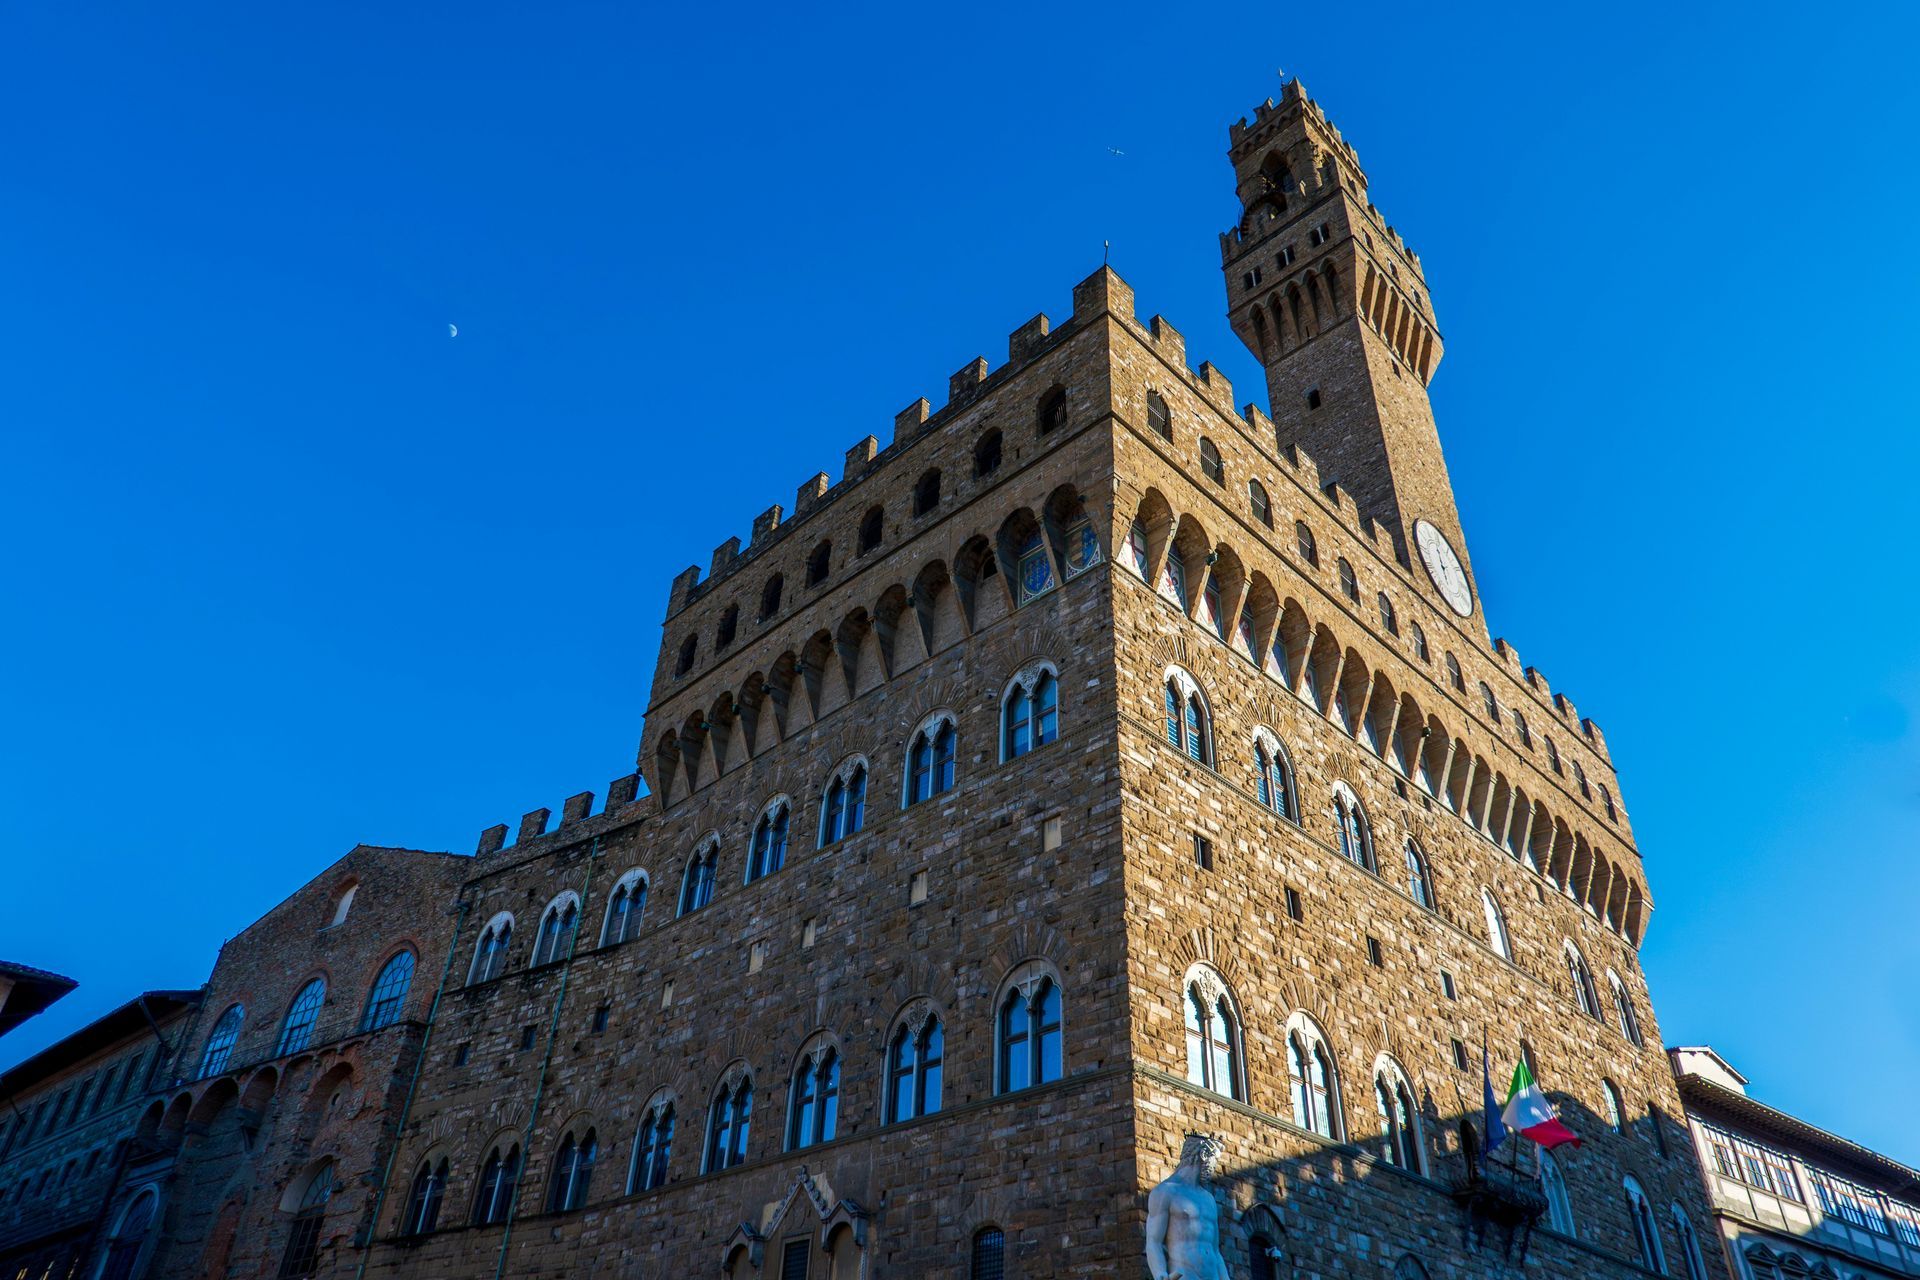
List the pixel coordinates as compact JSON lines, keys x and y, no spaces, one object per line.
{"x":1336,"y":307}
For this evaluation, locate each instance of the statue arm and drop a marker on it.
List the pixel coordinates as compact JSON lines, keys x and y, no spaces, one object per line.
{"x":1157,"y":1236}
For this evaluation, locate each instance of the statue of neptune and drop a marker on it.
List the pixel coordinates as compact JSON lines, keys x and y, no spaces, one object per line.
{"x":1183,"y":1222}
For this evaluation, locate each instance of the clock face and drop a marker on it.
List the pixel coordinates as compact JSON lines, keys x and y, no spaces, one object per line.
{"x":1443,"y":566}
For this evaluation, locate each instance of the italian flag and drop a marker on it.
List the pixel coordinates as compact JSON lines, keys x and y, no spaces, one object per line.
{"x":1528,"y":1112}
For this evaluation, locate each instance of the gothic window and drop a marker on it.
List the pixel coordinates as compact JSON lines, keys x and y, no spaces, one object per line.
{"x":767,"y":852}
{"x":729,"y":624}
{"x":1454,"y":675}
{"x":1258,"y":502}
{"x":423,"y":1200}
{"x":1420,"y":649}
{"x":1273,"y":781}
{"x":1490,"y":702}
{"x":1210,"y":463}
{"x":1303,"y":538}
{"x":557,"y":924}
{"x":652,"y":1149}
{"x":1399,"y":1119}
{"x":128,"y":1238}
{"x":843,"y":809}
{"x":1311,"y":1081}
{"x":770,"y":596}
{"x":1053,"y":410}
{"x":1356,"y":836}
{"x":1553,"y":756}
{"x":1189,"y":726}
{"x":689,"y":648}
{"x":926,"y":492}
{"x":1496,"y":925}
{"x":1581,"y":980}
{"x":302,"y":1257}
{"x":1689,"y":1245}
{"x":624,"y":909}
{"x":1029,"y":713}
{"x":872,"y":527}
{"x":727,"y":1122}
{"x":388,"y":998}
{"x":490,"y":952}
{"x":1606,"y":801}
{"x":1030,"y":1050}
{"x":1389,"y":620}
{"x":813,"y":1099}
{"x":930,"y":759}
{"x":1520,"y":727}
{"x":297,"y":1031}
{"x":914,"y":1069}
{"x":1349,"y":583}
{"x":986,"y":455}
{"x":1646,"y":1231}
{"x":1173,"y":578}
{"x":696,"y":886}
{"x":1137,"y":548}
{"x":1033,"y":571}
{"x":1213,"y":1035}
{"x":1623,"y":1006}
{"x":1159,"y":420}
{"x":1083,"y":548}
{"x":1559,"y":1205}
{"x":1657,"y":1130}
{"x":498,"y":1178}
{"x":989,"y":1258}
{"x":572,"y":1173}
{"x":819,"y":564}
{"x":1419,"y":880}
{"x":220,"y":1043}
{"x":1616,"y":1110}
{"x":1580,"y":780}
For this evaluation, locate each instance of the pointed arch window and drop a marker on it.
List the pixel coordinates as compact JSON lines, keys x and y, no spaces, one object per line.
{"x":1349,"y":582}
{"x":490,"y":953}
{"x":1137,"y":554}
{"x":1033,"y":569}
{"x":728,"y":628}
{"x":986,"y":455}
{"x":1389,"y":620}
{"x":930,"y":758}
{"x":1189,"y":726}
{"x":843,"y":809}
{"x":770,"y":596}
{"x":1311,"y":1080}
{"x":1581,"y":980}
{"x":1455,"y":676}
{"x":914,"y":1069}
{"x":1273,"y":776}
{"x":129,"y":1236}
{"x":1616,"y":1109}
{"x":768,"y":851}
{"x":1159,"y":419}
{"x":1419,"y":637}
{"x":1496,"y":925}
{"x":220,"y":1044}
{"x":813,"y":1100}
{"x":696,"y":886}
{"x":926,"y":492}
{"x":557,"y":924}
{"x":1210,"y":463}
{"x":572,"y":1172}
{"x":1554,"y":1185}
{"x":297,"y":1031}
{"x":1030,"y":714}
{"x":727,"y":1124}
{"x":1213,"y":1036}
{"x":1623,"y":1006}
{"x":388,"y":998}
{"x":1690,"y":1245}
{"x":1399,"y":1118}
{"x":1419,"y":879}
{"x":1259,"y":503}
{"x":1646,"y":1231}
{"x":498,"y":1179}
{"x":652,"y":1150}
{"x":1053,"y":410}
{"x":819,"y":563}
{"x":1030,"y":1049}
{"x":872,"y":528}
{"x":1356,"y":836}
{"x":1304,"y":540}
{"x":302,"y":1257}
{"x":624,"y":909}
{"x":424,"y":1198}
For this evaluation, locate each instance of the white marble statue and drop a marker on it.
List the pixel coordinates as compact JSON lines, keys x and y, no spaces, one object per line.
{"x":1183,"y":1220}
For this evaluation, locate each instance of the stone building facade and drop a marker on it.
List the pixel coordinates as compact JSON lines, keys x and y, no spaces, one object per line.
{"x":1789,"y":1199}
{"x":1095,"y":763}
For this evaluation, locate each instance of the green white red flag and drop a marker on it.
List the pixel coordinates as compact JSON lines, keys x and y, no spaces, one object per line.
{"x":1528,"y":1111}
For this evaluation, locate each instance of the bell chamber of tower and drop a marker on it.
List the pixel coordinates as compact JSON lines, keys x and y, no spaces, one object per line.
{"x":1336,"y":307}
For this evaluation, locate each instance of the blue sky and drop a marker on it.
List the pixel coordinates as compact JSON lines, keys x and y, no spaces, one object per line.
{"x":289,"y":568}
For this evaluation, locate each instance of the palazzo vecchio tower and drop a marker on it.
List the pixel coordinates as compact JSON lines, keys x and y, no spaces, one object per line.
{"x":1095,"y":763}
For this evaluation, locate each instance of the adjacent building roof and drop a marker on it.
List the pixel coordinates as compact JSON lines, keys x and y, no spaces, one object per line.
{"x":136,"y":1017}
{"x":25,"y":991}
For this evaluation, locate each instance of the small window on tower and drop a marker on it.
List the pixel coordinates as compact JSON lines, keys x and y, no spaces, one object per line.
{"x":770,"y":597}
{"x":1313,"y":397}
{"x":818,"y":563}
{"x":1210,"y":461}
{"x":688,"y":648}
{"x":1420,"y":649}
{"x":926,"y":493}
{"x":871,"y":528}
{"x":1203,"y":853}
{"x":1286,"y":256}
{"x":1294,"y":910}
{"x":1309,"y":549}
{"x":1053,"y":410}
{"x":1454,"y":675}
{"x":1257,"y":500}
{"x":1159,"y":420}
{"x":1349,"y":584}
{"x":986,"y":455}
{"x":1388,"y":618}
{"x":729,"y":623}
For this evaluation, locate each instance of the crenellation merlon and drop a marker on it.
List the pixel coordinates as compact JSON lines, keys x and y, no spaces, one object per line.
{"x":764,"y":525}
{"x":576,"y":808}
{"x":912,"y":419}
{"x":532,"y":824}
{"x":966,"y":379}
{"x":492,"y":840}
{"x":810,"y":493}
{"x":1028,"y":340}
{"x":723,"y":555}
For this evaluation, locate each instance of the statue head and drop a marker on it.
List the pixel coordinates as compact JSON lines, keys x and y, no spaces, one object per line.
{"x":1203,"y":1152}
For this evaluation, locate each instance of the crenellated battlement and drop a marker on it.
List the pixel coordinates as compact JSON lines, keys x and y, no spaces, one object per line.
{"x":575,"y":810}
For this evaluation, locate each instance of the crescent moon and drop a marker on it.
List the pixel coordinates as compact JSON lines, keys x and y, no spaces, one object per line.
{"x":453,"y":331}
